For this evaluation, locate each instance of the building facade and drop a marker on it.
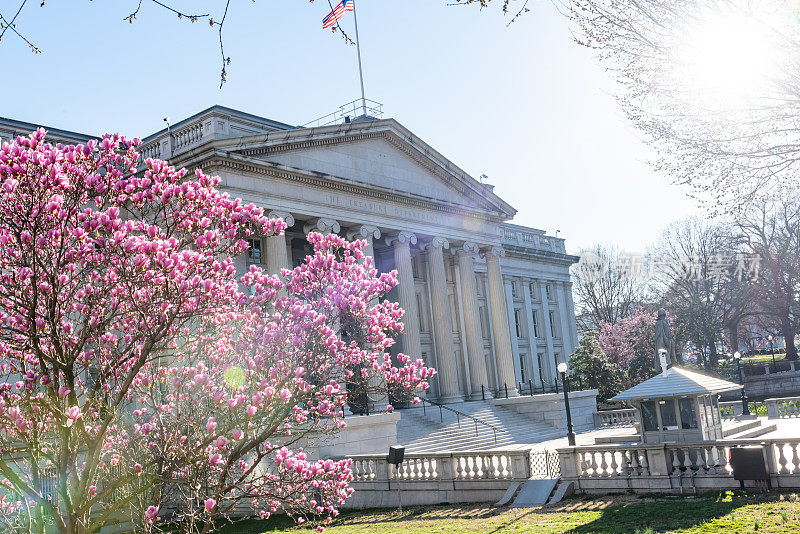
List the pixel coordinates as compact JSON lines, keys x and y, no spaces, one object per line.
{"x":487,"y":303}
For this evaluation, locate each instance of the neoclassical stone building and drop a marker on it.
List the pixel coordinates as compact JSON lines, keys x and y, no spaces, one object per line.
{"x":488,"y":303}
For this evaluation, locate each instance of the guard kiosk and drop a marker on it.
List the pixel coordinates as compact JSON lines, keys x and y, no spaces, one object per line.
{"x":678,"y":406}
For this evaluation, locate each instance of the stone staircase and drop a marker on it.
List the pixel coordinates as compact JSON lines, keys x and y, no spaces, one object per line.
{"x":427,"y":431}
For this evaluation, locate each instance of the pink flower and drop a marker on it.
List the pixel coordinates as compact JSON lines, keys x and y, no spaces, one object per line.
{"x":237,"y":434}
{"x":210,"y":504}
{"x":285,"y":394}
{"x":211,"y":425}
{"x":63,"y":391}
{"x":137,"y":468}
{"x":73,"y":414}
{"x":151,"y":513}
{"x":92,"y":490}
{"x":251,"y":411}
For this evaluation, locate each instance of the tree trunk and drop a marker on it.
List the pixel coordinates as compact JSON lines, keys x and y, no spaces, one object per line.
{"x":712,"y":355}
{"x":733,"y":337}
{"x":787,"y":331}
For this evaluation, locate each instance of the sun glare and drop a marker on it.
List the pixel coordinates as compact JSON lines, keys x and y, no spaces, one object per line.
{"x":725,"y":57}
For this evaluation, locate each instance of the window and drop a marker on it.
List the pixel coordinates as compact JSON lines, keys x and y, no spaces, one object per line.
{"x":548,"y":289}
{"x":532,"y":290}
{"x":518,"y":322}
{"x":514,"y":289}
{"x":649,"y":417}
{"x":553,"y":326}
{"x":688,"y":415}
{"x":539,"y":359}
{"x":253,"y":251}
{"x":669,"y":419}
{"x":536,"y":331}
{"x":522,"y":368}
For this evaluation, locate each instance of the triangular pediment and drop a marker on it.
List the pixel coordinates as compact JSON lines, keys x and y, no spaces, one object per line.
{"x":375,"y":155}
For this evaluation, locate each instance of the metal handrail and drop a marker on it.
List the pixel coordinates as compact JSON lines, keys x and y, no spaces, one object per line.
{"x":458,"y":413}
{"x":374,"y":109}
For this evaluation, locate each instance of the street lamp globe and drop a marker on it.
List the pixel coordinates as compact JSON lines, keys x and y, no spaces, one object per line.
{"x":737,"y":355}
{"x":562,"y":367}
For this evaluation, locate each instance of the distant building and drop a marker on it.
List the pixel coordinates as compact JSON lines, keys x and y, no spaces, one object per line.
{"x":487,"y":303}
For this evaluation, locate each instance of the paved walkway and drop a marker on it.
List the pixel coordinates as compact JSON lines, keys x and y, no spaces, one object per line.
{"x":786,"y":428}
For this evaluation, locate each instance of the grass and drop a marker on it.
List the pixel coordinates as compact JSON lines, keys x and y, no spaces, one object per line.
{"x":729,"y":512}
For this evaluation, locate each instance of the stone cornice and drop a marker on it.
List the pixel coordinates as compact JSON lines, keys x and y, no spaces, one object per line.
{"x":217,"y":161}
{"x":541,"y":255}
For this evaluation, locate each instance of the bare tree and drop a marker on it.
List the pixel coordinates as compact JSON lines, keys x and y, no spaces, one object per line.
{"x":606,"y":287}
{"x":216,"y":22}
{"x":772,"y":230}
{"x":714,"y":85}
{"x":697,"y":264}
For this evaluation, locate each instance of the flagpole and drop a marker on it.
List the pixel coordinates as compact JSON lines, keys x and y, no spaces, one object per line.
{"x":360,"y":70}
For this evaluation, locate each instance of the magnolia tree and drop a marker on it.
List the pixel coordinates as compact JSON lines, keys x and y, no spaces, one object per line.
{"x":141,"y":381}
{"x":630,"y":345}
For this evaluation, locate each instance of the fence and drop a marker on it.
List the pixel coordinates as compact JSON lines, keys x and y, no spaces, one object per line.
{"x":673,"y":466}
{"x":614,"y":418}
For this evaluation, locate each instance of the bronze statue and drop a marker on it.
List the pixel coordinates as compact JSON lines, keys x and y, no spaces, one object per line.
{"x":664,"y":340}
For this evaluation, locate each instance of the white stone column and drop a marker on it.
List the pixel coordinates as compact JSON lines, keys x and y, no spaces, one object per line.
{"x":478,"y":376}
{"x":367,"y":233}
{"x":406,"y":294}
{"x":447,"y":370}
{"x":323,"y":225}
{"x":379,"y":398}
{"x":502,"y":336}
{"x":277,"y":252}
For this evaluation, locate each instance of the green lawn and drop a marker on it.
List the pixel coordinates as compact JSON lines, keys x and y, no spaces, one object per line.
{"x":727,"y":512}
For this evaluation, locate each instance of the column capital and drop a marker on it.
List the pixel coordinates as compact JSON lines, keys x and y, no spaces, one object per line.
{"x":285,"y":215}
{"x":402,"y":237}
{"x":496,"y":251}
{"x":323,"y":225}
{"x":438,"y":242}
{"x":364,"y":231}
{"x":467,"y":247}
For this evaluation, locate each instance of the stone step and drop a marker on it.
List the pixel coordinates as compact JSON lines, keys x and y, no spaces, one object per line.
{"x":738,"y":428}
{"x":429,"y":430}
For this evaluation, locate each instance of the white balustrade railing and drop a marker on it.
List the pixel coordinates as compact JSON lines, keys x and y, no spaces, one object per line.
{"x":695,"y":460}
{"x":188,"y":136}
{"x":611,"y":418}
{"x":455,"y":466}
{"x":730,"y":409}
{"x":783,"y":407}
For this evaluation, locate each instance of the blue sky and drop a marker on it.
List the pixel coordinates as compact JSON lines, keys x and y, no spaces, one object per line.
{"x":523,"y":104}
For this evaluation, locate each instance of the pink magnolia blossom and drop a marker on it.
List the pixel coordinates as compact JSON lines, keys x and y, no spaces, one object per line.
{"x":118,"y":283}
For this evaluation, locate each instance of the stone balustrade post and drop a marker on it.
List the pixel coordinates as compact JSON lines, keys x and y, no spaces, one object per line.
{"x":658,"y":461}
{"x":383,"y":471}
{"x":569,"y":461}
{"x":773,"y":412}
{"x":447,"y":468}
{"x":449,"y":389}
{"x":520,"y":464}
{"x":499,"y":310}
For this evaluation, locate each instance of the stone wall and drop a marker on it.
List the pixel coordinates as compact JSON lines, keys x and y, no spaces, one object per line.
{"x":773,"y":384}
{"x":364,"y":434}
{"x":549,"y":408}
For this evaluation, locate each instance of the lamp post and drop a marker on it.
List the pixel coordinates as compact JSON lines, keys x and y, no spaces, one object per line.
{"x":738,"y":357}
{"x":562,"y":368}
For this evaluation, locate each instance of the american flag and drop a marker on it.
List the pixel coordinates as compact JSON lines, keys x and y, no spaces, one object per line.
{"x":337,"y":13}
